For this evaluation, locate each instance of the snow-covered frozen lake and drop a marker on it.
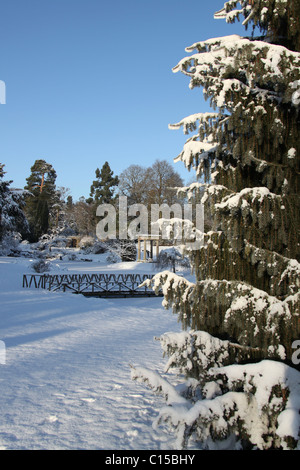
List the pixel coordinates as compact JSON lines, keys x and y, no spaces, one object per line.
{"x":65,"y":382}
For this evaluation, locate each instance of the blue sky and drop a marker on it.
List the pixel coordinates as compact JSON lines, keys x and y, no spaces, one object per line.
{"x":89,"y":81}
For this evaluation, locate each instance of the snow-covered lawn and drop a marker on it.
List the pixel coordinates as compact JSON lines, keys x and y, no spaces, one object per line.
{"x":66,"y":383}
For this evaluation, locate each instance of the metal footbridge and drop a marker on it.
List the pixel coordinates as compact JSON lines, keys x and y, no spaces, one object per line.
{"x":92,"y":285}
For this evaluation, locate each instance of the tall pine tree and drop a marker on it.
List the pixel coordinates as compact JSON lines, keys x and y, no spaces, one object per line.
{"x":102,"y":192}
{"x":41,"y":185}
{"x":241,"y":316}
{"x":103,"y":188}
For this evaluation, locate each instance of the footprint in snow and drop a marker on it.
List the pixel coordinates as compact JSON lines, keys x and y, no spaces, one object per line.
{"x":52,"y":419}
{"x":88,"y":400}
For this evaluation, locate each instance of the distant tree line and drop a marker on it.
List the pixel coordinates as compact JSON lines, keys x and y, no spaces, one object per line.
{"x":42,"y":207}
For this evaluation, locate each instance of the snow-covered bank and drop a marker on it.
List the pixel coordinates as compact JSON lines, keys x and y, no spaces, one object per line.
{"x":66,"y":381}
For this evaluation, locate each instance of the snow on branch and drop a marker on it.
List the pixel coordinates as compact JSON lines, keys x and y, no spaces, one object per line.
{"x":193,"y":351}
{"x":222,"y":67}
{"x":194,"y":152}
{"x":201,"y":146}
{"x":157,"y":384}
{"x":262,"y":400}
{"x":173,"y":286}
{"x":248,"y":315}
{"x":166,"y":280}
{"x":232,"y":201}
{"x":230,"y":14}
{"x":244,"y":309}
{"x":250,"y":10}
{"x":261,"y":380}
{"x":260,"y":13}
{"x":285,"y":272}
{"x":189,"y":123}
{"x":260,"y":211}
{"x":212,"y":44}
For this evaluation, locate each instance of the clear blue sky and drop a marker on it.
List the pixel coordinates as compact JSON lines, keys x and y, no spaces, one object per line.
{"x":89,"y":81}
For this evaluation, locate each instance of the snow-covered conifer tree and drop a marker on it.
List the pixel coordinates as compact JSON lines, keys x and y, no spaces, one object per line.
{"x":241,"y":316}
{"x":12,"y":217}
{"x":103,"y":188}
{"x":41,"y":185}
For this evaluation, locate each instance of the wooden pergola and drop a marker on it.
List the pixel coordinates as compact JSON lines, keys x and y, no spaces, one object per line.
{"x":148,"y":238}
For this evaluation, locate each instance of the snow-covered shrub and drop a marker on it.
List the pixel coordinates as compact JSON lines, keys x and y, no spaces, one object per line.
{"x":128,"y":251}
{"x":9,"y":244}
{"x":59,"y":242}
{"x":99,"y":248}
{"x":71,"y":257}
{"x":87,"y":242}
{"x":171,"y":258}
{"x":41,"y":266}
{"x":125,"y":250}
{"x":113,"y":257}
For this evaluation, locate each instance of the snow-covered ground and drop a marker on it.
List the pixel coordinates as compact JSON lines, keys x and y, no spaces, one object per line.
{"x":66,"y":381}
